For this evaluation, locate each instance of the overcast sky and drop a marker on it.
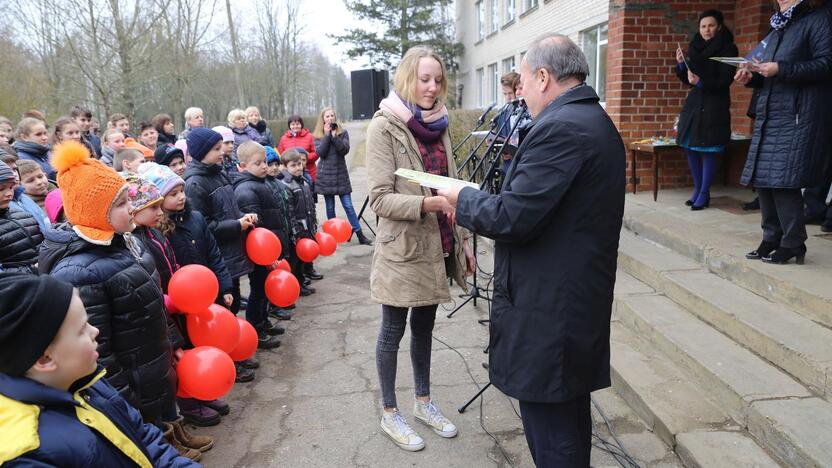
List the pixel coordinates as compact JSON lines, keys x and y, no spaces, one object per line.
{"x":323,"y":17}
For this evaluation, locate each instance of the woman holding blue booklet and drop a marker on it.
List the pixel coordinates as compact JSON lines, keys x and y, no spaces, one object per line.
{"x":705,"y":120}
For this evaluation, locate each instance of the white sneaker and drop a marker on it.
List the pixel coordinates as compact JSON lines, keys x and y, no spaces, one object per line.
{"x":430,"y":415}
{"x":396,"y":427}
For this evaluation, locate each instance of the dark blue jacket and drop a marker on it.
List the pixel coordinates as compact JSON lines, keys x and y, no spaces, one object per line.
{"x":45,"y":426}
{"x":120,"y":288}
{"x":210,"y":192}
{"x":20,"y":238}
{"x":791,"y":141}
{"x":37,"y":153}
{"x":93,"y":142}
{"x":555,"y":226}
{"x":193,"y":243}
{"x":255,"y":196}
{"x":333,"y":176}
{"x":301,"y":205}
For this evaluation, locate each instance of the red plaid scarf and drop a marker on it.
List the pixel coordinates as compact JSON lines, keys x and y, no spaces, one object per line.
{"x":435,"y":160}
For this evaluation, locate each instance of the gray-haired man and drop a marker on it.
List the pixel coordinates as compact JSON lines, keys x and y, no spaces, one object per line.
{"x":556,"y":224}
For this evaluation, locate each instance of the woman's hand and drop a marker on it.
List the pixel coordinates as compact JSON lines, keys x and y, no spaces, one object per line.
{"x":436,"y":204}
{"x":743,"y":76}
{"x":693,"y":78}
{"x":768,"y":69}
{"x":470,"y":259}
{"x":680,"y":56}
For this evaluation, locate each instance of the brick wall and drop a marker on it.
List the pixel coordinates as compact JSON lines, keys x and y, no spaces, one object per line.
{"x":643,"y":94}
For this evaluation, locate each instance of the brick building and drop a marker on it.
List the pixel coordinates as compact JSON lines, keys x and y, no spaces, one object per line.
{"x":630,"y":45}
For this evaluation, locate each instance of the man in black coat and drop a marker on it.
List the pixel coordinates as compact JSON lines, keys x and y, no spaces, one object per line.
{"x":556,"y":226}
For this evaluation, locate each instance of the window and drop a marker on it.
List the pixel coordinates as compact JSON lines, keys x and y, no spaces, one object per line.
{"x":495,"y":15}
{"x":594,"y":45}
{"x":509,"y":11}
{"x":529,"y":5}
{"x":480,"y":20}
{"x":495,"y":82}
{"x":480,"y":87}
{"x":508,"y":65}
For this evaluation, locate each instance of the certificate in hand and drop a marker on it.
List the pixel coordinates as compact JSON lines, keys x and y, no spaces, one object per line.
{"x":733,"y":61}
{"x":431,"y":180}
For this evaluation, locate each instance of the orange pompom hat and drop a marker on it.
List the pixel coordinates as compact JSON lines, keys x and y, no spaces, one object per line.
{"x":88,"y":189}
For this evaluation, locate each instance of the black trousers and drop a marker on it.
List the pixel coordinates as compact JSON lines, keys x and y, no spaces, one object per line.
{"x":815,"y":198}
{"x":782,"y":216}
{"x":559,"y":434}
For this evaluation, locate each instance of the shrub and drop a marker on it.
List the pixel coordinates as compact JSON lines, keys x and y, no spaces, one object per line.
{"x":461,"y":123}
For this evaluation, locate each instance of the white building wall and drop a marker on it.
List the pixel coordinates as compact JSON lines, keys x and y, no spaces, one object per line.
{"x":512,"y":38}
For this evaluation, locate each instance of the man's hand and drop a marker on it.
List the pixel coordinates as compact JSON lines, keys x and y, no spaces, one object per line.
{"x":743,"y":76}
{"x":228,"y":299}
{"x":768,"y":69}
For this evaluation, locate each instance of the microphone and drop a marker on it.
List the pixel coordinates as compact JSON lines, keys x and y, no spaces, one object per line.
{"x":482,"y":117}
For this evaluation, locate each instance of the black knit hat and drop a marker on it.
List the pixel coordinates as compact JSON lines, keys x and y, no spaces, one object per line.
{"x":200,"y":142}
{"x":6,"y":173}
{"x":32,"y":309}
{"x":165,"y":154}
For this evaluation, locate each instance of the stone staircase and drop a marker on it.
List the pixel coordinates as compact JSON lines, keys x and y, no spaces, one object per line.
{"x":728,"y":360}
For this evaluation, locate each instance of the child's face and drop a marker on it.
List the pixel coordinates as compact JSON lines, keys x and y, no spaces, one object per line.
{"x":83,"y":123}
{"x":5,"y":132}
{"x":175,"y":199}
{"x":122,"y":125}
{"x":148,"y":216}
{"x":177,"y":165}
{"x":116,"y":141}
{"x":149,"y":137}
{"x":70,"y":132}
{"x":132,"y":166}
{"x":256,"y":166}
{"x":6,"y":194}
{"x":73,"y":353}
{"x":215,"y":155}
{"x":303,"y":159}
{"x":35,"y":183}
{"x":37,"y":135}
{"x":121,"y":218}
{"x":273,"y":169}
{"x":295,"y":168}
{"x":227,"y":148}
{"x":295,"y":126}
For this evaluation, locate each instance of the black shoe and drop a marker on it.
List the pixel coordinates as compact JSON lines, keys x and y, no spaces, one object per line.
{"x":243,"y":374}
{"x":688,"y":202}
{"x":306,"y":281}
{"x":274,"y":330}
{"x":306,"y":291}
{"x":815,"y":220}
{"x":250,"y":363}
{"x":752,"y":205}
{"x":281,"y":314}
{"x":697,"y":207}
{"x":826,"y":226}
{"x":264,"y":341}
{"x":764,"y":250}
{"x":782,"y":255}
{"x":314,"y":275}
{"x":362,"y":239}
{"x":290,"y":307}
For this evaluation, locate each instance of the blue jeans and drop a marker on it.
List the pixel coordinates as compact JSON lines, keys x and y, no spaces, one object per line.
{"x":346,"y":202}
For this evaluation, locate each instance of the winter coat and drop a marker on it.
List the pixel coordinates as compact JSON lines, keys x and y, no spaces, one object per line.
{"x":304,"y":140}
{"x":37,"y":153}
{"x":266,"y":135}
{"x":285,"y":199}
{"x":20,"y":238}
{"x":23,"y":202}
{"x":242,"y":135}
{"x":705,"y":120}
{"x":165,"y":139}
{"x":791,"y":142}
{"x":333,"y":175}
{"x":408,"y":268}
{"x":210,"y":192}
{"x":162,"y":252}
{"x":254,"y":196}
{"x":93,"y":142}
{"x":120,"y":288}
{"x":193,"y":243}
{"x":555,"y":225}
{"x":54,"y":427}
{"x":301,"y":205}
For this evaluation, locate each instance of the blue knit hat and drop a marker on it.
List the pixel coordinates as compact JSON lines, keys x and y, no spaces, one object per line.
{"x":271,"y":155}
{"x":6,"y":173}
{"x":200,"y":142}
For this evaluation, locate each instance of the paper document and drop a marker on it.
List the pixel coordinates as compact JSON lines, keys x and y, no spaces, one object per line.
{"x":733,"y":61}
{"x":431,"y":180}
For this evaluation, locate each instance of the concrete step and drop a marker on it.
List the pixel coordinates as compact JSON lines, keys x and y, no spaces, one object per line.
{"x":778,"y":412}
{"x":778,"y":334}
{"x":721,"y":449}
{"x":719,"y":241}
{"x":668,"y":402}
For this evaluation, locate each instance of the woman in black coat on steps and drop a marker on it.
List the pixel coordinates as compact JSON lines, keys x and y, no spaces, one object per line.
{"x":705,"y":120}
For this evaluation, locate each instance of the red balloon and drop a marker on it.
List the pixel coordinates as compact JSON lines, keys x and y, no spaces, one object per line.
{"x":193,"y":288}
{"x":206,"y":373}
{"x":262,"y":246}
{"x":338,"y":228}
{"x":283,"y":265}
{"x":326,"y":243}
{"x":248,"y":341}
{"x":307,"y":250}
{"x":170,"y":307}
{"x":215,"y":327}
{"x":282,"y":288}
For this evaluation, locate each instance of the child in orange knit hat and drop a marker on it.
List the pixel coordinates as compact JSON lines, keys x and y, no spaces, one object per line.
{"x":117,"y":281}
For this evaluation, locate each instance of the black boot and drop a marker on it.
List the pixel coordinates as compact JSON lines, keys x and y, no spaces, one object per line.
{"x":782,"y":255}
{"x":264,"y":341}
{"x":273,"y":329}
{"x":309,"y":272}
{"x":764,"y":250}
{"x":362,"y":239}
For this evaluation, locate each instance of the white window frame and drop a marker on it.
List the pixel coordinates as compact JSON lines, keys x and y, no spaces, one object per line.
{"x":600,"y":43}
{"x":509,"y":64}
{"x":510,"y":11}
{"x":494,"y":71}
{"x":480,"y":18}
{"x":530,"y":5}
{"x":480,"y":87}
{"x":494,"y":18}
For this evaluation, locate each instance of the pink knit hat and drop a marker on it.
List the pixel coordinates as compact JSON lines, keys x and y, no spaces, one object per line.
{"x":227,"y":134}
{"x":54,"y":206}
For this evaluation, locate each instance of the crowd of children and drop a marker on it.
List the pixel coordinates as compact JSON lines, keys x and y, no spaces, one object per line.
{"x":102,"y":224}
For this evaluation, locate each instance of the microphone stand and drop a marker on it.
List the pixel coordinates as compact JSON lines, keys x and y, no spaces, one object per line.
{"x":480,"y":121}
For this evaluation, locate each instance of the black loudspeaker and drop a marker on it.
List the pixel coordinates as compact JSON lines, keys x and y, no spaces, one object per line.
{"x":369,"y":87}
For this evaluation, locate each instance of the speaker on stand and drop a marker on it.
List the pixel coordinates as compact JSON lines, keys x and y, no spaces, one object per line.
{"x":369,"y":87}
